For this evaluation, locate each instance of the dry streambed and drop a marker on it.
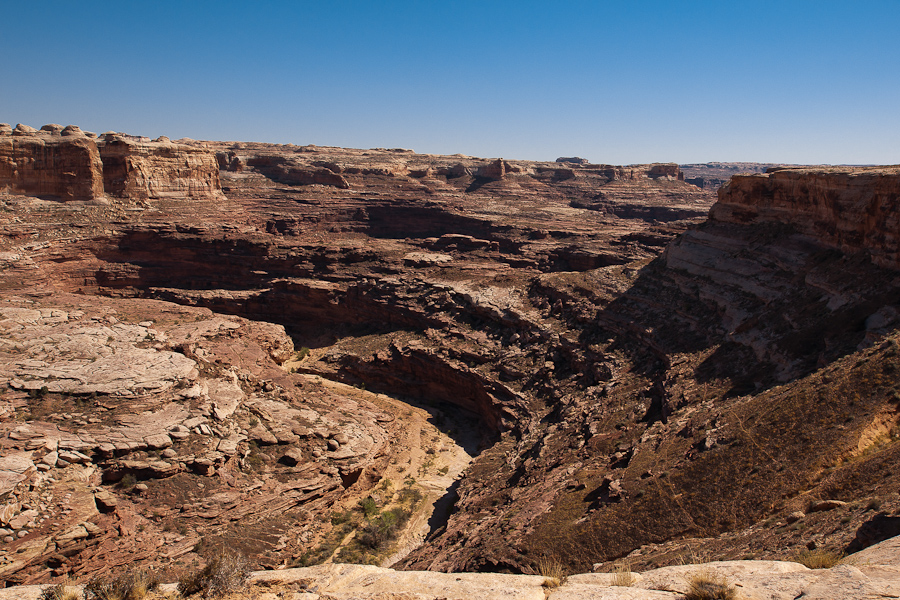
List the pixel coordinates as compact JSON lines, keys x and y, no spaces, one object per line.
{"x":431,"y":449}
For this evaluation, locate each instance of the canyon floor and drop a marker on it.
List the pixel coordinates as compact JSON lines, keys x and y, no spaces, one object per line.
{"x":444,"y":363}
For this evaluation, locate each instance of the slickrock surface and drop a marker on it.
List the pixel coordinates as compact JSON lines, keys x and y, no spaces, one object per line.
{"x":560,"y":361}
{"x":873,"y":574}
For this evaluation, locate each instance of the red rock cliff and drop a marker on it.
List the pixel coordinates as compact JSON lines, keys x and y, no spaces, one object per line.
{"x":851,"y":208}
{"x":51,"y":162}
{"x":71,"y":165}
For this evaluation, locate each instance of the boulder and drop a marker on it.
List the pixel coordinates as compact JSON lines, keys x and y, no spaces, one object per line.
{"x":158,"y":441}
{"x":106,"y":502}
{"x":292,"y":457}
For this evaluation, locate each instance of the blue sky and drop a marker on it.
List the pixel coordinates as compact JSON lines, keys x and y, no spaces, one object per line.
{"x":614,"y":82}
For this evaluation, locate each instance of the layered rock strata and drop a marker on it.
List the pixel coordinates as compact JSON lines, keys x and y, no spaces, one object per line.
{"x":157,"y":169}
{"x":644,"y":384}
{"x":851,"y":208}
{"x":52,"y":162}
{"x":69,"y":164}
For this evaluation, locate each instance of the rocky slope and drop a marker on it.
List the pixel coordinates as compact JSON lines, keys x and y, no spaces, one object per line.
{"x":639,"y":381}
{"x":850,"y":209}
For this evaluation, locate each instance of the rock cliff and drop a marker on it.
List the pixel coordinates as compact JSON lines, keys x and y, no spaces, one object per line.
{"x":139,"y":169}
{"x":69,"y":164}
{"x":51,"y":162}
{"x":850,"y":208}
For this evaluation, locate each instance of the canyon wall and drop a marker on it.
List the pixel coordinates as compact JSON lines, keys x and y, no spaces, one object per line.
{"x":51,"y":162}
{"x":70,"y":164}
{"x":157,"y":169}
{"x":851,"y":208}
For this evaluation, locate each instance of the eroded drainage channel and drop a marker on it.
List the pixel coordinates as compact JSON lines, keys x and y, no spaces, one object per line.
{"x":415,"y":493}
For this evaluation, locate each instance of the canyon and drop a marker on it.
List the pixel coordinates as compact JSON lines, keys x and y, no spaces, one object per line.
{"x":225,"y":344}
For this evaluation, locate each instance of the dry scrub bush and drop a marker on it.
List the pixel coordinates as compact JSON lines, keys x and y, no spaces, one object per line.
{"x":227,"y":572}
{"x":134,"y":585}
{"x":818,"y":558}
{"x":61,"y":591}
{"x":707,"y":584}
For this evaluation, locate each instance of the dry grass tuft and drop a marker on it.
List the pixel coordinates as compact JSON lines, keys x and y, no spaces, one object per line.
{"x":707,"y":584}
{"x":223,"y":574}
{"x":134,"y":585}
{"x":553,"y":572}
{"x":819,"y":558}
{"x":622,"y":576}
{"x":61,"y":591}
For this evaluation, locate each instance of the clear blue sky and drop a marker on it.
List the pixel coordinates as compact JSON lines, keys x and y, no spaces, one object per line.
{"x":619,"y":82}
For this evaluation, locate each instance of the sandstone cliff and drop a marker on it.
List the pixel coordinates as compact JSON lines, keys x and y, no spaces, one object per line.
{"x":850,"y":208}
{"x":51,"y":162}
{"x":639,"y":381}
{"x":70,"y":164}
{"x":157,"y":169}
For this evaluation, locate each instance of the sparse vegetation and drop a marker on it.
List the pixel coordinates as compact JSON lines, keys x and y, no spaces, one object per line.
{"x":818,"y":558}
{"x":707,"y":584}
{"x":382,"y":527}
{"x":622,"y":576}
{"x":553,"y":571}
{"x":61,"y":591}
{"x":133,"y":585}
{"x":225,"y":573}
{"x":373,"y":528}
{"x":874,"y":504}
{"x":302,"y":353}
{"x":367,"y":506}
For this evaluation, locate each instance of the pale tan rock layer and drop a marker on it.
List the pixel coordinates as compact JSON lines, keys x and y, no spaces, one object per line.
{"x":873,"y":574}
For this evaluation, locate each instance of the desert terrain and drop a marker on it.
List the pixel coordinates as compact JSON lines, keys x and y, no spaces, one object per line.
{"x":321,"y":356}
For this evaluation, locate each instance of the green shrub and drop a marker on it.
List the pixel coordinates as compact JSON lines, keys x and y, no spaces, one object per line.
{"x":367,"y":506}
{"x":377,"y":532}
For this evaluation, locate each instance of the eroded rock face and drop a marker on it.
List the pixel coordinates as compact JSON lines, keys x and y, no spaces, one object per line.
{"x":45,"y":163}
{"x":141,"y":169}
{"x":851,"y":208}
{"x":643,"y":383}
{"x":67,"y":163}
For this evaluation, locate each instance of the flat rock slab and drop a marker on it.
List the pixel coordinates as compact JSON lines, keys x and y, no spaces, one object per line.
{"x":363,"y":581}
{"x":43,"y":348}
{"x":14,"y":468}
{"x":579,"y":591}
{"x":754,"y":580}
